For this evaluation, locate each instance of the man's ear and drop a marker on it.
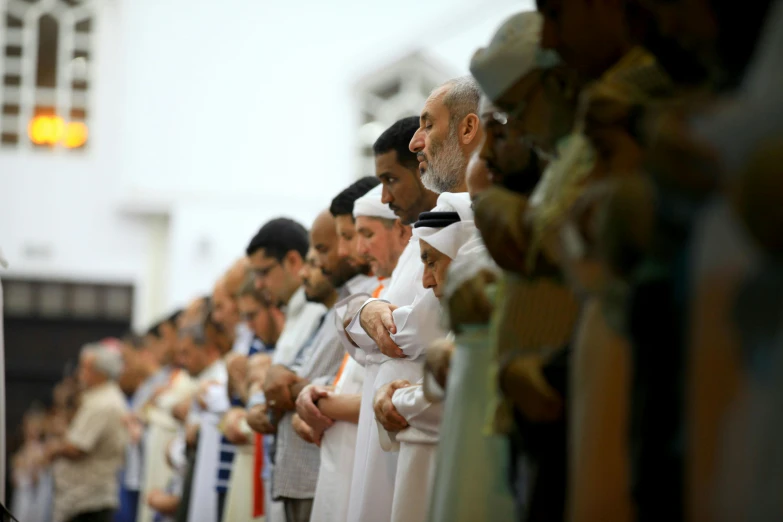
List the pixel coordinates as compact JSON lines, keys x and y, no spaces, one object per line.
{"x":470,"y":129}
{"x":293,"y":261}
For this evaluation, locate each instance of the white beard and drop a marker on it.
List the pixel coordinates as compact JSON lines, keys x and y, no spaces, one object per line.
{"x":446,"y":167}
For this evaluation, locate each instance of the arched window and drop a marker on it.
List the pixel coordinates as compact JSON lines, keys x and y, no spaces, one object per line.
{"x":388,"y":94}
{"x":45,"y":66}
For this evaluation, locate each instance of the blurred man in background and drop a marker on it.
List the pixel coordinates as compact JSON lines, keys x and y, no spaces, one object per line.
{"x":88,"y":460}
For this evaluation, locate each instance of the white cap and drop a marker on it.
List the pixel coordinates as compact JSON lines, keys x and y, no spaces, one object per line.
{"x":512,"y":53}
{"x":449,"y":239}
{"x":370,"y":205}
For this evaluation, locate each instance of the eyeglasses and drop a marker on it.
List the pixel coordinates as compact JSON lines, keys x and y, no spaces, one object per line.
{"x":249,"y":316}
{"x":263,"y":272}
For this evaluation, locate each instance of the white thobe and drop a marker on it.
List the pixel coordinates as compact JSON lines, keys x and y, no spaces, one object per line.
{"x":161,"y":428}
{"x":203,"y":498}
{"x":338,"y":448}
{"x":243,"y":338}
{"x":372,"y":484}
{"x":301,"y":321}
{"x":418,"y":326}
{"x":417,"y":446}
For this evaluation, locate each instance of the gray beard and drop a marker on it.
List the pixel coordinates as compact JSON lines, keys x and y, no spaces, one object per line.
{"x":446,"y":169}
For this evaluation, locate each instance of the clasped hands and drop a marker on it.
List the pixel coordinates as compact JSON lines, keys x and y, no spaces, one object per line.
{"x":308,"y":422}
{"x":377,"y":320}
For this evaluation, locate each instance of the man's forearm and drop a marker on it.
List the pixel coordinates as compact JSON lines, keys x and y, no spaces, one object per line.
{"x":68,"y":451}
{"x":297,"y":387}
{"x":341,"y":407}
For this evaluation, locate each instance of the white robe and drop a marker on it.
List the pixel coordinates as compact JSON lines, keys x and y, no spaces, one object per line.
{"x":203,"y":497}
{"x":417,"y":446}
{"x":161,"y":428}
{"x":301,"y":321}
{"x":417,"y":327}
{"x":239,"y":500}
{"x":372,"y":484}
{"x":338,"y":448}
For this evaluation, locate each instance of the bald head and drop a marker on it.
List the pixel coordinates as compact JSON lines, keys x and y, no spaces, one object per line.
{"x":325,"y":245}
{"x":236,"y":275}
{"x":324,"y":228}
{"x":192,"y":312}
{"x":225,"y":309}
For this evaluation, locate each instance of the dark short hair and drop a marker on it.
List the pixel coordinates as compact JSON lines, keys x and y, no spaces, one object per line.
{"x":174,"y":316}
{"x":248,"y":289}
{"x":398,"y":138}
{"x":342,"y":204}
{"x":133,"y":340}
{"x":154,"y":330}
{"x":278,"y":237}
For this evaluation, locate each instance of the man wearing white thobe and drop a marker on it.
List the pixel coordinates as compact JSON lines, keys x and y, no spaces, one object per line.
{"x":445,"y":230}
{"x":206,"y":411}
{"x":449,"y":133}
{"x":381,"y":240}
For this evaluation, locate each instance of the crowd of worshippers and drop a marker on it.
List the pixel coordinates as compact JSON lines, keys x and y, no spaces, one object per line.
{"x":559,"y":297}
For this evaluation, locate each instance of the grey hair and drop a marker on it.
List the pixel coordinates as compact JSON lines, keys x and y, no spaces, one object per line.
{"x":106,"y":361}
{"x":462,"y":98}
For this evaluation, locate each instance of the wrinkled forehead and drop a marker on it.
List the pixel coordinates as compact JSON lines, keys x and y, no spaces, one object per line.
{"x":435,"y":105}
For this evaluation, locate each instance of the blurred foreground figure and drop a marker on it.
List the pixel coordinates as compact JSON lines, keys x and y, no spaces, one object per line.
{"x":733,"y":269}
{"x":528,"y":110}
{"x":87,"y":462}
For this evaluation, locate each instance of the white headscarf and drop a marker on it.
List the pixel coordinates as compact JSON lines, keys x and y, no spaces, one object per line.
{"x":448,"y":240}
{"x":460,"y":241}
{"x":370,"y":205}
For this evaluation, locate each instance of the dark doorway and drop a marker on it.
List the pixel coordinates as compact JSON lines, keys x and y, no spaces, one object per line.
{"x":46,"y":324}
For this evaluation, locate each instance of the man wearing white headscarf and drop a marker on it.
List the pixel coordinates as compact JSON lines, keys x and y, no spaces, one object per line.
{"x":345,"y":402}
{"x":374,"y":470}
{"x":454,"y":134}
{"x":408,"y":421}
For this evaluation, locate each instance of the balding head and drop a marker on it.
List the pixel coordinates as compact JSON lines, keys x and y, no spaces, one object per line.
{"x":461,"y":97}
{"x":236,"y":275}
{"x":192,"y":312}
{"x":324,"y":240}
{"x":225,"y":310}
{"x":449,"y":132}
{"x":324,"y":225}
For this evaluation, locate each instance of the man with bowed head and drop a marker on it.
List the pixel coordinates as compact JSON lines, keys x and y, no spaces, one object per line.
{"x":449,"y":132}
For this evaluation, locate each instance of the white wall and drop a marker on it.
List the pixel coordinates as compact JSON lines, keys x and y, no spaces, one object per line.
{"x":220,"y":115}
{"x":58,"y":214}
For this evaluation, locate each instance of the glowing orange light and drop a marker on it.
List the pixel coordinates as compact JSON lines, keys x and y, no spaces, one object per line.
{"x":50,"y":130}
{"x":75,"y":134}
{"x":46,"y":130}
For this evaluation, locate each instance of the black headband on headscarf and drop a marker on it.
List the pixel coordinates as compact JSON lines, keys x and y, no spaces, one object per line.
{"x":437,"y":219}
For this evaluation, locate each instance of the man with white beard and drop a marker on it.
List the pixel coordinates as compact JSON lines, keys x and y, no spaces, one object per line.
{"x":449,"y":126}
